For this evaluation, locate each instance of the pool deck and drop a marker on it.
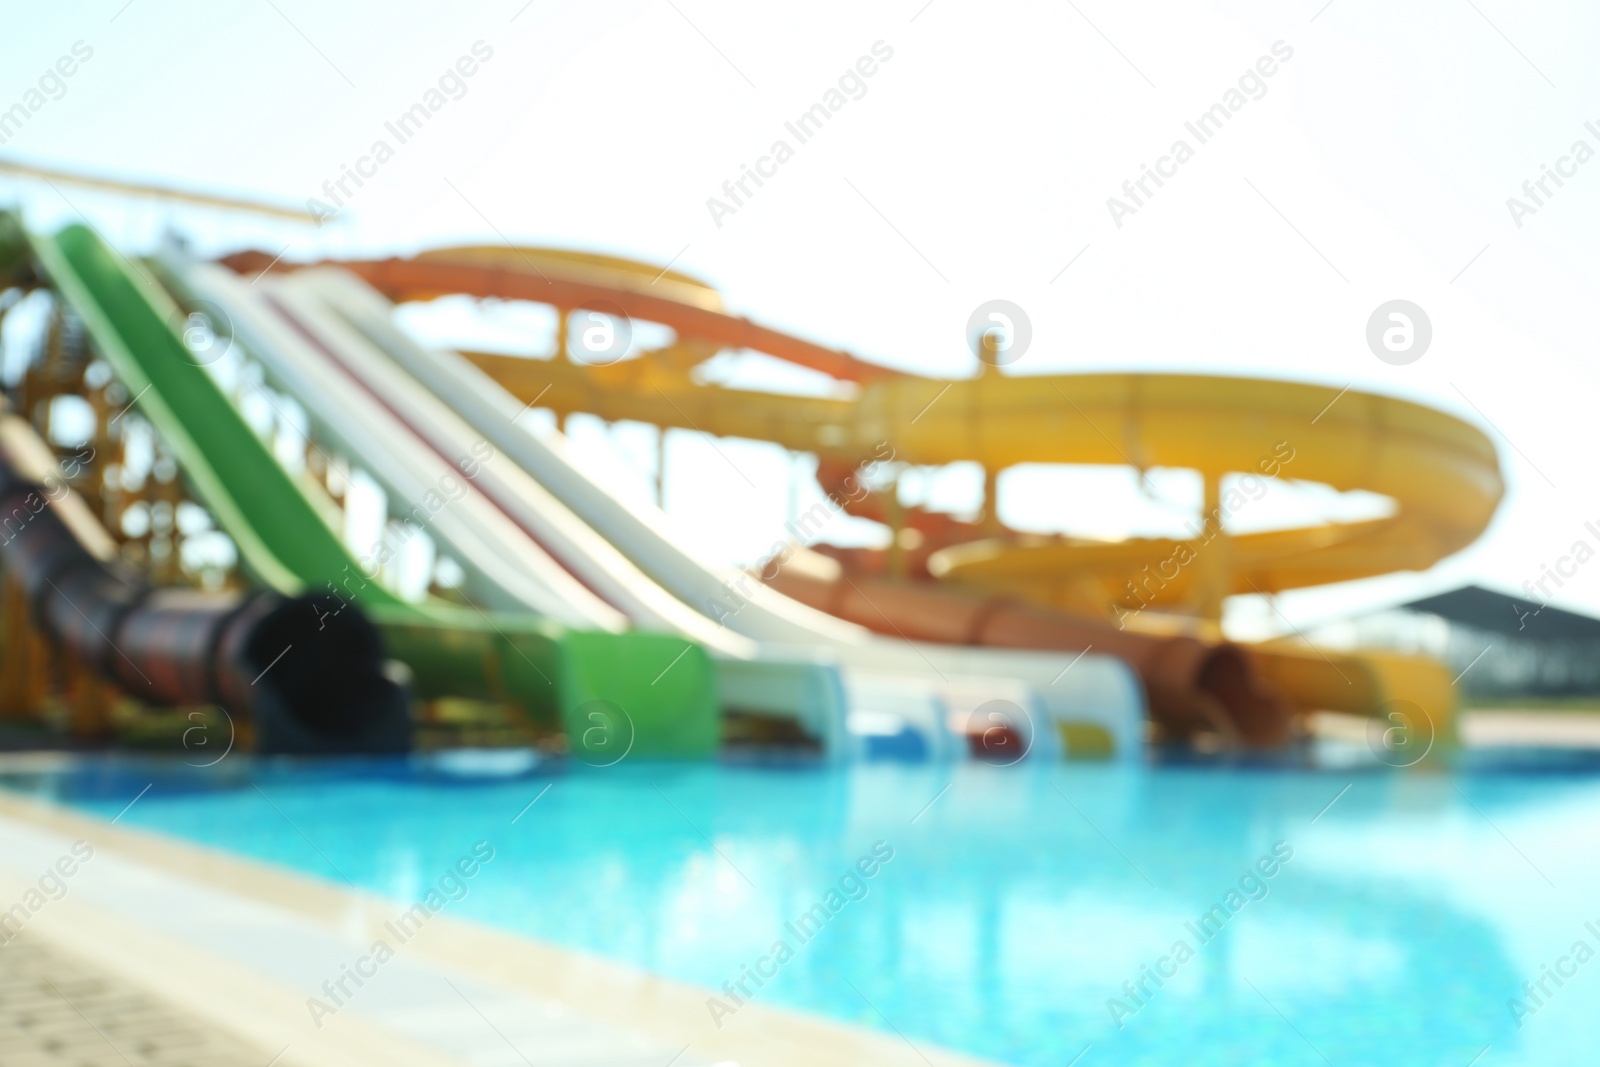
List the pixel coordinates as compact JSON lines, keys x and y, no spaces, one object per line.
{"x":160,"y":951}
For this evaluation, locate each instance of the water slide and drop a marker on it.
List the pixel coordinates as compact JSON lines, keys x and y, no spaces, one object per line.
{"x":305,"y":686}
{"x":1441,"y":473}
{"x":329,"y":340}
{"x":1097,"y":695}
{"x":599,"y":687}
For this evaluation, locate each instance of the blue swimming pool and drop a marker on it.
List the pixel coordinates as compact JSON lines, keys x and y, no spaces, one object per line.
{"x":1156,"y":915}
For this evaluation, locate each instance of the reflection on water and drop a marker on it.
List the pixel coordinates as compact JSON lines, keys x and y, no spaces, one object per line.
{"x":1018,"y":901}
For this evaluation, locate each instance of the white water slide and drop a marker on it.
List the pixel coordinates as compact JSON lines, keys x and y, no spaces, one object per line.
{"x":533,"y":532}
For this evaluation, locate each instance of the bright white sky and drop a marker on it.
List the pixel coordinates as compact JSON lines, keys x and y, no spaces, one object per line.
{"x":976,"y":166}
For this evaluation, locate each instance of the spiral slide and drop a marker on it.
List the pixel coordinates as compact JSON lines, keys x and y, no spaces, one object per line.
{"x":323,"y":335}
{"x":562,"y":676}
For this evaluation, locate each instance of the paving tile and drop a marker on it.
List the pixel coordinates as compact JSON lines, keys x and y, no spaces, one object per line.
{"x":56,"y":1010}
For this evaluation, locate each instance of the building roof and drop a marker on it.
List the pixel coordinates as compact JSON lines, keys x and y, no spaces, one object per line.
{"x":1485,"y":609}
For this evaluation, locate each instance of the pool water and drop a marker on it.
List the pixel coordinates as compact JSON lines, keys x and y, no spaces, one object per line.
{"x":1325,"y":916}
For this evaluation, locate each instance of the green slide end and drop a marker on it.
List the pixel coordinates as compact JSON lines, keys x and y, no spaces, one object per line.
{"x":639,"y":694}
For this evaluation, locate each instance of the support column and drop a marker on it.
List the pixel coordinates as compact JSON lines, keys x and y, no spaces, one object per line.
{"x":1213,"y":555}
{"x":991,"y":501}
{"x":661,"y":467}
{"x":896,"y":517}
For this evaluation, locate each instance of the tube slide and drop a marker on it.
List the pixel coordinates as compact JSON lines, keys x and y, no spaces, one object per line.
{"x":1192,"y":684}
{"x":571,"y":679}
{"x":309,"y":680}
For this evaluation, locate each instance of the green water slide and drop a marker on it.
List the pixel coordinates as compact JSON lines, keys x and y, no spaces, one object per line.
{"x":651,"y":694}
